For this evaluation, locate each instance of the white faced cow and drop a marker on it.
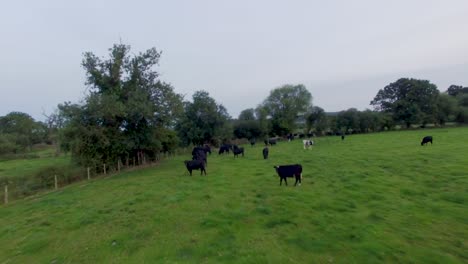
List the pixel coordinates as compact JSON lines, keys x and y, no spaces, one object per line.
{"x":307,"y":143}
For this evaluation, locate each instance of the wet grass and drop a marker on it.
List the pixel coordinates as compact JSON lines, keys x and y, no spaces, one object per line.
{"x":371,"y":198}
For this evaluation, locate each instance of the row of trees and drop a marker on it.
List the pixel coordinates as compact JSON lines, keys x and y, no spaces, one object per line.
{"x":405,"y":102}
{"x":129,"y":114}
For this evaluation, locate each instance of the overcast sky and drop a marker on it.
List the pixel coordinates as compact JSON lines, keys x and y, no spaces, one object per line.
{"x":342,"y":51}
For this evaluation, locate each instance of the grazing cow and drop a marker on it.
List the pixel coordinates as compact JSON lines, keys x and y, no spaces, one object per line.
{"x":426,"y":140}
{"x":265,"y":152}
{"x":285,"y":171}
{"x":238,"y":151}
{"x":205,"y":148}
{"x":224,"y":149}
{"x":307,"y":143}
{"x":195,"y":165}
{"x":270,"y":141}
{"x":252,"y":142}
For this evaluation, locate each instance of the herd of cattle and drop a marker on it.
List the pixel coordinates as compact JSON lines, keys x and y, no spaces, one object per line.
{"x":200,"y":158}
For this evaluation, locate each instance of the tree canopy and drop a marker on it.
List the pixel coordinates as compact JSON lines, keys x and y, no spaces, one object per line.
{"x":203,"y":121}
{"x":127,"y":113}
{"x":409,"y":100}
{"x":284,"y":104}
{"x":19,"y":131}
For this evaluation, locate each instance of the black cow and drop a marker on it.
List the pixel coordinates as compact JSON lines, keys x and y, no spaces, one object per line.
{"x":285,"y":171}
{"x":204,"y":148}
{"x":223,"y":149}
{"x":270,"y":141}
{"x":265,"y":152}
{"x":426,"y":140}
{"x":238,"y":151}
{"x":195,"y":165}
{"x":252,"y":142}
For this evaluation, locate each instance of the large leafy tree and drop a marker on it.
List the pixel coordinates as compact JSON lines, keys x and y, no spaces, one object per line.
{"x":446,"y":108}
{"x":455,"y":90}
{"x":128,"y":113}
{"x":284,"y":104}
{"x":369,"y":121}
{"x":409,"y":100}
{"x":21,"y":131}
{"x":247,"y":126}
{"x":316,"y":119}
{"x":348,"y":120}
{"x":203,"y":121}
{"x":247,"y":114}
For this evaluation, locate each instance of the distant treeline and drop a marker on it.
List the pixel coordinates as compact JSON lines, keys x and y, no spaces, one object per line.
{"x":129,"y":114}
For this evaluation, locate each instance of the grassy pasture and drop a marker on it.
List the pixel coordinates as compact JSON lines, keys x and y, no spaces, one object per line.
{"x":26,"y":167}
{"x":368,"y":199}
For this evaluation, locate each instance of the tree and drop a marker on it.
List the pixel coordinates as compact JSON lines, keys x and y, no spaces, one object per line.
{"x":317,"y":119}
{"x":455,"y":90}
{"x":262,"y":119}
{"x":348,"y":121}
{"x":128,"y":113}
{"x":22,"y":129}
{"x":408,"y":100}
{"x":247,"y":129}
{"x":247,"y":114}
{"x":284,"y":104}
{"x":369,"y":121}
{"x":203,"y":121}
{"x":446,"y":108}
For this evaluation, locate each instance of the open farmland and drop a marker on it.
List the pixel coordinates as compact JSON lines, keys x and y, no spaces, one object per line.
{"x":370,"y":198}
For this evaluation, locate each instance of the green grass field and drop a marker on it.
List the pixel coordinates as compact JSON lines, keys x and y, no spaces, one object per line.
{"x":369,"y":199}
{"x":28,"y":167}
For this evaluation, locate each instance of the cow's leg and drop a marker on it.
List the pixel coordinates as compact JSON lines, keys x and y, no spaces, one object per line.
{"x":298,"y":179}
{"x":190,"y":172}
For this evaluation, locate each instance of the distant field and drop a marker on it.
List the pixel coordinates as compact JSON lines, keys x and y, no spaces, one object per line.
{"x":27,"y":167}
{"x":368,"y":199}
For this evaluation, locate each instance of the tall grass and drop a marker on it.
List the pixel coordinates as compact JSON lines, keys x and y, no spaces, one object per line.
{"x":370,"y":198}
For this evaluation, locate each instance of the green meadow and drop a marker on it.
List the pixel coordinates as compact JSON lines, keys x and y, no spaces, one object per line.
{"x":368,"y":199}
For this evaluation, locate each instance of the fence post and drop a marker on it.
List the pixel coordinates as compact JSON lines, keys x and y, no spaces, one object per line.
{"x":105,"y":169}
{"x":6,"y":193}
{"x":56,"y":183}
{"x":89,"y":176}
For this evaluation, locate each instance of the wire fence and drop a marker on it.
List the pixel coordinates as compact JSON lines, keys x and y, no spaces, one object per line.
{"x":18,"y":187}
